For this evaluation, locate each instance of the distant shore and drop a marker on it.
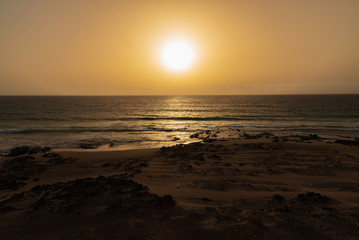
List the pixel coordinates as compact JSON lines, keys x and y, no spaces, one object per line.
{"x":249,"y":186}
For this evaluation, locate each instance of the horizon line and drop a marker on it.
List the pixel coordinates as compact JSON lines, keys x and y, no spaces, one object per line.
{"x":167,"y":95}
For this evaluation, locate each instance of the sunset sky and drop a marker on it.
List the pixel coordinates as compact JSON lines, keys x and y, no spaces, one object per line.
{"x":88,"y":47}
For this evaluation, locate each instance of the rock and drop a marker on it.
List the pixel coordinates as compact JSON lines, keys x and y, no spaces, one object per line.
{"x":10,"y":183}
{"x":255,"y":136}
{"x":307,"y":138}
{"x":167,"y":200}
{"x":348,"y":142}
{"x":88,"y":145}
{"x":314,"y":137}
{"x":208,"y":139}
{"x":195,"y":135}
{"x":164,"y":148}
{"x":312,"y":197}
{"x":17,"y":151}
{"x":106,"y":193}
{"x":15,"y":171}
{"x":277,"y":198}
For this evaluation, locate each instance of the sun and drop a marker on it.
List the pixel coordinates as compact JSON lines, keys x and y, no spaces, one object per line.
{"x":178,"y":55}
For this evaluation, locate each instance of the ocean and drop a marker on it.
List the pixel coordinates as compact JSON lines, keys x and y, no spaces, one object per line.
{"x":66,"y":122}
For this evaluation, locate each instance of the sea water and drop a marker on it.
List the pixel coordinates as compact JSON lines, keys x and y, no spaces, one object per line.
{"x":152,"y":121}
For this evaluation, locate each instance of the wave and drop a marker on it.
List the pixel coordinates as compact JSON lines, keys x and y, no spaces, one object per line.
{"x":145,"y":118}
{"x":185,"y":118}
{"x":9,"y":131}
{"x":199,"y":119}
{"x":285,"y":126}
{"x":246,"y":117}
{"x":81,"y":130}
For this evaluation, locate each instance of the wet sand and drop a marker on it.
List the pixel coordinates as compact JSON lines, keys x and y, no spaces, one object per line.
{"x":246,"y":187}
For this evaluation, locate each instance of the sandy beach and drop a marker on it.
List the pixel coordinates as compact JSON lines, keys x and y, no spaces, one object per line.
{"x":245,"y":187}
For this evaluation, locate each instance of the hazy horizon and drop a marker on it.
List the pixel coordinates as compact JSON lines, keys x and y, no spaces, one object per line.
{"x":170,"y":95}
{"x":242,"y":48}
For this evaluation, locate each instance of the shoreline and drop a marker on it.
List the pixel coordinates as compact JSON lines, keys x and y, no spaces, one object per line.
{"x":112,"y":144}
{"x":258,"y":186}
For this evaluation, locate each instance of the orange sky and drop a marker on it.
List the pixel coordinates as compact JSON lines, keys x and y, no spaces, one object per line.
{"x":244,"y":47}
